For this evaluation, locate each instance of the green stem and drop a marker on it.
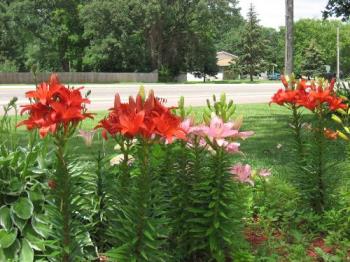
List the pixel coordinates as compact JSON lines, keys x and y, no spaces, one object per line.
{"x":298,"y":137}
{"x":143,"y":188}
{"x":320,"y":201}
{"x":64,"y":205}
{"x":100,"y":227}
{"x":125,"y":175}
{"x":217,"y":197}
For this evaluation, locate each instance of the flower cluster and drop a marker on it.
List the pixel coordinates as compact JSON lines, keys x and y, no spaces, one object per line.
{"x":309,"y":95}
{"x":147,"y":118}
{"x":54,"y":106}
{"x":218,"y":134}
{"x":245,"y":174}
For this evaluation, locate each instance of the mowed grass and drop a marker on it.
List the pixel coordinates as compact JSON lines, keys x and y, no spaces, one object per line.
{"x":270,"y":147}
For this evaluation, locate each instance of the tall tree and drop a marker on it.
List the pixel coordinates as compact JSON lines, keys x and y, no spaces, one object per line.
{"x":338,"y":8}
{"x":313,"y":63}
{"x":274,"y":51}
{"x":252,"y":45}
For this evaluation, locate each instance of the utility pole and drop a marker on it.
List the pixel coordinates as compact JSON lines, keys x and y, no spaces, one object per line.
{"x":289,"y":38}
{"x":338,"y":55}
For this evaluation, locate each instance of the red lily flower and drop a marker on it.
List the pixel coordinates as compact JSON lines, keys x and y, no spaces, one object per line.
{"x":284,"y":96}
{"x":146,"y":118}
{"x":45,"y":91}
{"x":169,"y":127}
{"x":309,"y":96}
{"x":131,"y":124}
{"x":55,"y":107}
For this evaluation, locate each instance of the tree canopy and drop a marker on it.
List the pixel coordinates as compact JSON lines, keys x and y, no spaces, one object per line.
{"x":109,"y":35}
{"x":145,"y":35}
{"x":338,"y":8}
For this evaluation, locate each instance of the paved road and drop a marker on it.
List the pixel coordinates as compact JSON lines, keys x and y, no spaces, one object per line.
{"x":102,"y":95}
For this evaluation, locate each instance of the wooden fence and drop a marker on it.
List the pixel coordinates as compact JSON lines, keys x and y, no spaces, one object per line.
{"x":77,"y":77}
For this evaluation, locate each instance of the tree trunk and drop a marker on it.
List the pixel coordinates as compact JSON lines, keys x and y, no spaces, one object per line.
{"x":288,"y":66}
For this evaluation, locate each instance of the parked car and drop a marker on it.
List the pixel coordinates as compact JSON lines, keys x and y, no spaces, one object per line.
{"x":275,"y":76}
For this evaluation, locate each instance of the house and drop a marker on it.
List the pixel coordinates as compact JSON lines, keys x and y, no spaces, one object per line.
{"x":224,"y":60}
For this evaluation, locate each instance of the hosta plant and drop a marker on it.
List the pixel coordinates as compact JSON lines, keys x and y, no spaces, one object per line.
{"x":22,"y":224}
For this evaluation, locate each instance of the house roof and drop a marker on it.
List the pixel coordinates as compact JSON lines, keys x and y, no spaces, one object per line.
{"x":225,"y":58}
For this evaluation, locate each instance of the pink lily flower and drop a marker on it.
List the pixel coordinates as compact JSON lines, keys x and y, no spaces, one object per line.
{"x":244,"y":135}
{"x":188,"y":127}
{"x":218,"y":129}
{"x":233,"y":148}
{"x":242,"y":173}
{"x":88,"y":136}
{"x":265,"y":172}
{"x":230,"y":147}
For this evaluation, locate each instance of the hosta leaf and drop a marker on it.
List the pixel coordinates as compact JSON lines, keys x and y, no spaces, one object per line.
{"x":7,"y":238}
{"x":40,"y":227}
{"x":2,"y":255}
{"x":11,"y":253}
{"x":5,"y":218}
{"x":33,"y":238}
{"x":15,"y":187}
{"x":19,"y":222}
{"x":36,"y":196}
{"x":23,"y":208}
{"x":27,"y":253}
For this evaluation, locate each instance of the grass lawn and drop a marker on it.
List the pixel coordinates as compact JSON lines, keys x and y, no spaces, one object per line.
{"x":269,"y":147}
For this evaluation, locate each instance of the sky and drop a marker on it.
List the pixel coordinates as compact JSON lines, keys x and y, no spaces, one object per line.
{"x":272,"y":12}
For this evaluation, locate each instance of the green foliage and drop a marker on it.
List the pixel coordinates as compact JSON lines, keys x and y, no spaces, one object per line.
{"x":111,"y":36}
{"x":267,"y":198}
{"x":313,"y":64}
{"x":343,"y":90}
{"x":8,"y":124}
{"x":338,"y":8}
{"x":223,"y":108}
{"x":69,"y":210}
{"x":23,"y":229}
{"x":324,"y":33}
{"x":140,"y":223}
{"x":8,"y":66}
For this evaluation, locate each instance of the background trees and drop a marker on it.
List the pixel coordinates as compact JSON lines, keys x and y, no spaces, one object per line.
{"x":170,"y":35}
